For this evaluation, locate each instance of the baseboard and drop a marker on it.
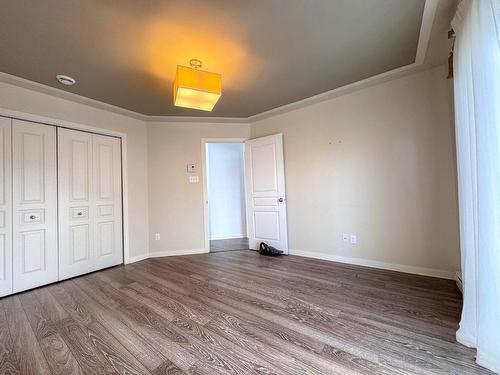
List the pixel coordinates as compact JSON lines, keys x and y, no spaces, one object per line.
{"x":484,"y":359}
{"x":458,"y":279}
{"x":465,"y":339}
{"x":136,"y":258}
{"x":310,"y":254}
{"x":169,"y":253}
{"x":165,"y":253}
{"x":376,"y":264}
{"x":487,"y":360}
{"x":228,"y":237}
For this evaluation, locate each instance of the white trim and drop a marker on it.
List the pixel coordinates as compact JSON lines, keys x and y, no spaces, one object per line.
{"x":458,"y":279}
{"x":228,"y":236}
{"x":208,"y":119}
{"x":488,"y":361}
{"x":423,"y":42}
{"x":376,"y":264}
{"x":166,"y":253}
{"x":76,"y":98}
{"x":204,"y":142}
{"x":72,"y":125}
{"x":56,"y":122}
{"x":170,"y":253}
{"x":49,"y":90}
{"x":424,"y":35}
{"x":137,"y":258}
{"x":466,"y":340}
{"x":339,"y":91}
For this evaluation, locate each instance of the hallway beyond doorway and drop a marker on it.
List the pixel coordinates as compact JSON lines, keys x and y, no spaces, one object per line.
{"x":228,"y":245}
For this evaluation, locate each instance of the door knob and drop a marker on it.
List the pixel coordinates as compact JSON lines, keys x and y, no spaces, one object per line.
{"x":281,"y":200}
{"x":32,"y":217}
{"x":80,"y":213}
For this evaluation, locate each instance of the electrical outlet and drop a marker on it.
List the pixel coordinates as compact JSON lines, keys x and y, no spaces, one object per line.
{"x":354,"y":239}
{"x":157,"y":236}
{"x":345,"y":237}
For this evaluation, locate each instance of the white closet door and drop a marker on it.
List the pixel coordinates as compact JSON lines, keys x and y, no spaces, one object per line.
{"x":108,"y":201}
{"x":5,"y":207}
{"x":34,"y":204}
{"x":90,"y":202}
{"x":76,"y":255}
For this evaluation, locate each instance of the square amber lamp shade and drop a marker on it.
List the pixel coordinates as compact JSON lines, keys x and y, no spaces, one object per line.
{"x":197,"y":89}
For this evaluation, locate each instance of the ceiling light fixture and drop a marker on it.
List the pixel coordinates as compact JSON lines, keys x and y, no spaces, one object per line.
{"x":65,"y":80}
{"x":195,"y":88}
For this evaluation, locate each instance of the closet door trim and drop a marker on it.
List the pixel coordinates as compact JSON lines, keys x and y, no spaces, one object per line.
{"x":44,"y":120}
{"x":5,"y":206}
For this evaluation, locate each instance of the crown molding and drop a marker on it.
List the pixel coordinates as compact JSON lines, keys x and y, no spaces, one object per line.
{"x":212,"y":120}
{"x":428,"y":16}
{"x":423,"y":42}
{"x":49,"y":90}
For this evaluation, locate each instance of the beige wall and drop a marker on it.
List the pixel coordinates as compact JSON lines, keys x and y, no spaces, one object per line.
{"x":31,"y":102}
{"x":176,"y":206}
{"x":378,"y":163}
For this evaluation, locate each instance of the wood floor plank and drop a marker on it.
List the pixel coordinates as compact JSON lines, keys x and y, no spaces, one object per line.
{"x":223,"y":354}
{"x":150,"y":326}
{"x":44,"y":319}
{"x":59,"y":356}
{"x":8,"y":360}
{"x":91,"y":343}
{"x":40,"y":323}
{"x":27,"y":348}
{"x":147,"y":354}
{"x":342,"y":337}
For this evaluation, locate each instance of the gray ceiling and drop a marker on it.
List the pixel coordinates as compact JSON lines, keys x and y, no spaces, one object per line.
{"x":269,"y":52}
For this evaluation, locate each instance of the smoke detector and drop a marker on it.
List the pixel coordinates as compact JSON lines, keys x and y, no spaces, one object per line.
{"x":65,"y":80}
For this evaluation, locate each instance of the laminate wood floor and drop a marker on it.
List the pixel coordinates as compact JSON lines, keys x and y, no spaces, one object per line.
{"x":235,"y":313}
{"x":230,"y":244}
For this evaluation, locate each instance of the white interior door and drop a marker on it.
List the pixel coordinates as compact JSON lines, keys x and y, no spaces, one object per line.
{"x":265,"y":191}
{"x":76,"y":255}
{"x":34,"y":205}
{"x":107,"y":201}
{"x":5,"y":207}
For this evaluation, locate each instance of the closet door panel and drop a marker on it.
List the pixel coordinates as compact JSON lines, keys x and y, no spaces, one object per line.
{"x":108,"y":201}
{"x":5,"y":207}
{"x":76,"y":255}
{"x":34,"y":178}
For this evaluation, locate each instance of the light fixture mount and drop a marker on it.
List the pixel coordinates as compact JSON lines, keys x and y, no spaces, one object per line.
{"x":65,"y":80}
{"x":195,"y":63}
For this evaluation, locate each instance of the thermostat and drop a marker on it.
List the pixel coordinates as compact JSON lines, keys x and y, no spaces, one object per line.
{"x":191,"y":168}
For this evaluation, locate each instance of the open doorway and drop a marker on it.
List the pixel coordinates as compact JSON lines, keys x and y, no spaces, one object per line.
{"x":224,"y":183}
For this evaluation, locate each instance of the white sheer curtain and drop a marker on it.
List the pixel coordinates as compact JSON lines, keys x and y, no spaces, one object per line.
{"x":477,"y":118}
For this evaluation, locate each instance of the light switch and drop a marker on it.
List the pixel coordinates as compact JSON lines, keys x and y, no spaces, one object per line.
{"x":194,"y":179}
{"x":354,"y":239}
